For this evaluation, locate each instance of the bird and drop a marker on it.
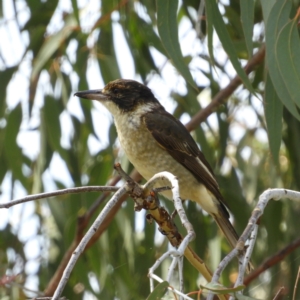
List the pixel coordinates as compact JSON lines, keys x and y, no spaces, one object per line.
{"x":155,"y":141}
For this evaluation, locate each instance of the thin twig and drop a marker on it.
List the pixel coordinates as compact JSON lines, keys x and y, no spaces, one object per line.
{"x":278,"y":294}
{"x":244,"y":261}
{"x":296,"y":284}
{"x":80,"y":248}
{"x":82,"y":224}
{"x":172,"y":289}
{"x":75,"y":190}
{"x":48,"y":298}
{"x":265,"y":197}
{"x":273,"y":260}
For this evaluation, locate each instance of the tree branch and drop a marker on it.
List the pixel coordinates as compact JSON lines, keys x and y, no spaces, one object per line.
{"x":273,"y":260}
{"x":223,"y":95}
{"x":82,"y":224}
{"x":75,"y":190}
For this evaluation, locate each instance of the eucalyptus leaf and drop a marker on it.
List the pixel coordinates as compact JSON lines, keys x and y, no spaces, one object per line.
{"x":247,"y":18}
{"x":278,"y":18}
{"x":288,"y":60}
{"x":159,"y":291}
{"x":219,"y":25}
{"x":168,"y":32}
{"x":51,"y":44}
{"x":273,"y":112}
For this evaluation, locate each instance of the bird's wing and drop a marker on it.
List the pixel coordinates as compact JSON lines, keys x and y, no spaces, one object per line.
{"x":174,"y":138}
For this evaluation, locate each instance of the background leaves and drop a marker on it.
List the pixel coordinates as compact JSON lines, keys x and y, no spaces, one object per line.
{"x":187,"y":55}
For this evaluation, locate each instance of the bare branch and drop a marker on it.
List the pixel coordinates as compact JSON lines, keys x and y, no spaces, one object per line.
{"x":296,"y":284}
{"x":271,"y":261}
{"x":49,"y":298}
{"x":145,"y":197}
{"x":80,"y":248}
{"x":279,"y":293}
{"x":265,"y":197}
{"x":75,"y":190}
{"x":82,"y":224}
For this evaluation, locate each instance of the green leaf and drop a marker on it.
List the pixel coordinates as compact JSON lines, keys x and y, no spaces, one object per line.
{"x":266,"y":8}
{"x":159,"y":291}
{"x":86,"y":109}
{"x":168,"y":32}
{"x":5,"y":77}
{"x":273,"y":113}
{"x":51,"y":114}
{"x":76,"y":11}
{"x":247,"y":18}
{"x":288,"y":58}
{"x":149,"y":35}
{"x":279,"y":16}
{"x":13,"y":153}
{"x":220,"y":289}
{"x":1,"y":9}
{"x":51,"y":45}
{"x":107,"y":61}
{"x":210,"y":31}
{"x":220,"y":27}
{"x":243,"y":297}
{"x":107,"y":56}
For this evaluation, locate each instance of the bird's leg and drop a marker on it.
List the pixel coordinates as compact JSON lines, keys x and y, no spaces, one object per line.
{"x":136,"y":192}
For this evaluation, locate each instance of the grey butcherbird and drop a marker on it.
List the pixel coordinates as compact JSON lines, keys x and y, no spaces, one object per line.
{"x":155,"y":141}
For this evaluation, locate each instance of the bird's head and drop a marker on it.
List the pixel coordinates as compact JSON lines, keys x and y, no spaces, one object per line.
{"x":121,"y":96}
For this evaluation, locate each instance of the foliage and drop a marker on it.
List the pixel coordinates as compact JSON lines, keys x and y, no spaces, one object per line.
{"x":49,"y":140}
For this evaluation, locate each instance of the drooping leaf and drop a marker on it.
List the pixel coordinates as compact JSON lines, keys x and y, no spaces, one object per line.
{"x":288,"y":59}
{"x":243,"y":297}
{"x":278,"y":18}
{"x":247,"y":18}
{"x":219,"y":25}
{"x":51,"y":114}
{"x":13,"y":152}
{"x":168,"y":32}
{"x":76,"y":10}
{"x":5,"y":77}
{"x":210,"y":31}
{"x":273,"y":113}
{"x":266,"y":8}
{"x":220,"y":289}
{"x":159,"y":291}
{"x":106,"y":52}
{"x":52,"y":44}
{"x":149,"y":35}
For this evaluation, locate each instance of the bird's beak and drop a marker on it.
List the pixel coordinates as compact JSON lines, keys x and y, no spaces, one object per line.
{"x":92,"y":95}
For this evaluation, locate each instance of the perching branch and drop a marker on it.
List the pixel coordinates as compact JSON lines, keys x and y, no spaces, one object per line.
{"x":145,"y":197}
{"x":175,"y":238}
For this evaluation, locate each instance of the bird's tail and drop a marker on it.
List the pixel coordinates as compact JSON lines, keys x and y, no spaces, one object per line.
{"x":229,"y":232}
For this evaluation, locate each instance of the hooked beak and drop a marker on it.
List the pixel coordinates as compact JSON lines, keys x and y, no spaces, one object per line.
{"x":92,"y":95}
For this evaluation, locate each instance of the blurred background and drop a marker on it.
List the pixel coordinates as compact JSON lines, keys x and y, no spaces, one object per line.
{"x":187,"y":52}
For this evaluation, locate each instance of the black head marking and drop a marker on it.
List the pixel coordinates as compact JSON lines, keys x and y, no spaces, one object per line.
{"x":128,"y":94}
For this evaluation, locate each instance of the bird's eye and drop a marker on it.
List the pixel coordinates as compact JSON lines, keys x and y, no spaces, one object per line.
{"x":115,"y":91}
